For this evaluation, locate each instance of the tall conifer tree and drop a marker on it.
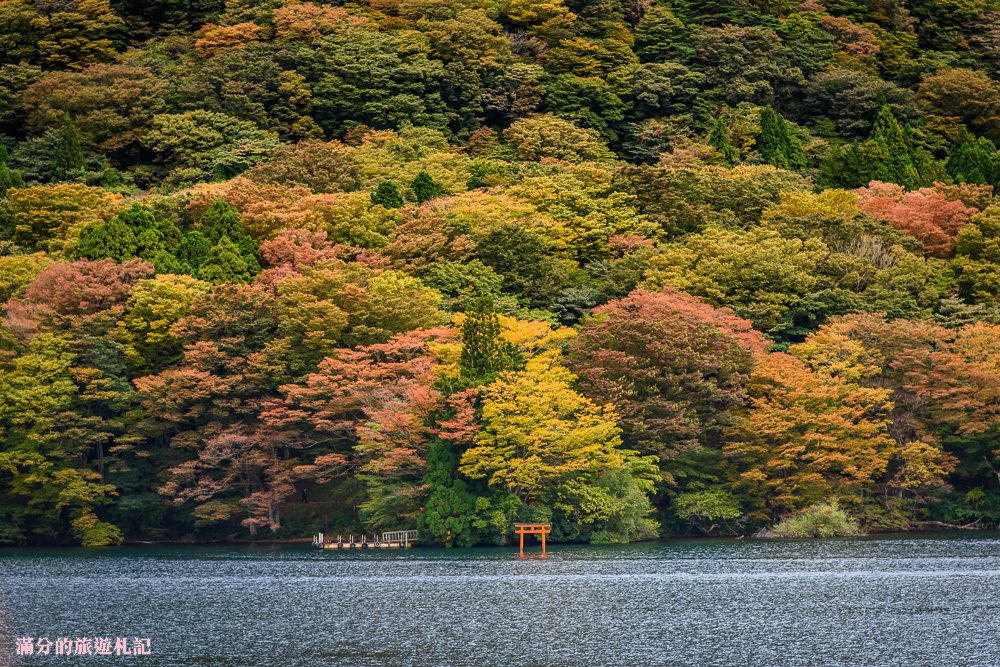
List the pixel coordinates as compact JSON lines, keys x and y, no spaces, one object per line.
{"x":68,"y":161}
{"x":718,"y":139}
{"x":896,"y":165}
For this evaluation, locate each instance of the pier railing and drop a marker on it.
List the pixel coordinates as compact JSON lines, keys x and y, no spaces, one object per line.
{"x":400,"y":536}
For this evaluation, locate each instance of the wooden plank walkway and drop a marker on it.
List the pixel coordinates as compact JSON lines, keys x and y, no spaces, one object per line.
{"x":397,"y":539}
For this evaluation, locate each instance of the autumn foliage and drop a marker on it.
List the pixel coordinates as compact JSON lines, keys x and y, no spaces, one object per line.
{"x":629,"y":268}
{"x":927,"y":213}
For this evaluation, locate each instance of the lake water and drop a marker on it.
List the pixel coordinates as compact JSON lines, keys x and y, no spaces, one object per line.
{"x":912,"y":602}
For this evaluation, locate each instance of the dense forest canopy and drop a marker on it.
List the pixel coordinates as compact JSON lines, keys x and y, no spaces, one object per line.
{"x":633,"y":267}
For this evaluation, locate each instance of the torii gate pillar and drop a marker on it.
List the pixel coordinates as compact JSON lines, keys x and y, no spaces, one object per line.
{"x":541,"y":529}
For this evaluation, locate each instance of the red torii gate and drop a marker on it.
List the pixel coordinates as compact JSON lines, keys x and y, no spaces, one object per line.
{"x":523,"y":529}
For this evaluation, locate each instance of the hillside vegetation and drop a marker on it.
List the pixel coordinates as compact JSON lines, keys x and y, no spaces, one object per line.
{"x":634,"y":267}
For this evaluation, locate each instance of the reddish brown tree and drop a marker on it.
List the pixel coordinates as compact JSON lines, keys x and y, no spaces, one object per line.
{"x":84,"y":287}
{"x":675,"y":369}
{"x":928,"y":214}
{"x":234,"y":464}
{"x":368,"y":412}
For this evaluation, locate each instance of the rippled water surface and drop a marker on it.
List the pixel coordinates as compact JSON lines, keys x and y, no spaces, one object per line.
{"x":933,"y":601}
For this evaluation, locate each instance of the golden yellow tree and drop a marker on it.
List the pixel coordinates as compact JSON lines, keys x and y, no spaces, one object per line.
{"x":808,"y":437}
{"x":556,"y":450}
{"x":538,"y":431}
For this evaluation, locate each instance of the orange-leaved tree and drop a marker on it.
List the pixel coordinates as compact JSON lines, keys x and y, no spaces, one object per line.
{"x":807,"y":437}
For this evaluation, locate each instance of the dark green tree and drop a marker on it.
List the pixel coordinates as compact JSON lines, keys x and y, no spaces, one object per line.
{"x":973,"y":160}
{"x":68,"y":162}
{"x":718,"y":139}
{"x":460,"y":512}
{"x":524,"y":261}
{"x":896,"y":165}
{"x":776,"y":143}
{"x":9,"y":178}
{"x":716,"y":12}
{"x":424,"y":188}
{"x":588,"y":101}
{"x":192,"y":252}
{"x":387,"y":195}
{"x":928,"y":169}
{"x":852,"y":166}
{"x":449,"y":516}
{"x":833,"y":168}
{"x":485,"y":353}
{"x":808,"y":45}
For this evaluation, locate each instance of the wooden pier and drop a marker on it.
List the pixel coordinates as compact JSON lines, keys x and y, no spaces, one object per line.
{"x":397,"y":539}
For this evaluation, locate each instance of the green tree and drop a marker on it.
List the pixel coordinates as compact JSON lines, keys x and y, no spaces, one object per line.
{"x":895,"y":165}
{"x":485,"y":352}
{"x":778,"y":283}
{"x":9,"y":178}
{"x":716,"y":12}
{"x":424,"y":188}
{"x":463,"y":283}
{"x":776,"y":143}
{"x":220,"y":220}
{"x":458,"y":511}
{"x":746,"y":63}
{"x":662,"y":37}
{"x":17,"y":36}
{"x":225,"y":264}
{"x":114,"y":239}
{"x":381,"y":79}
{"x":192,"y":251}
{"x":392,"y":303}
{"x":197,"y":144}
{"x":704,"y":510}
{"x":973,"y":160}
{"x":718,"y":139}
{"x":134,"y":232}
{"x":977,"y":261}
{"x":523,"y":260}
{"x":68,"y":162}
{"x":387,"y":195}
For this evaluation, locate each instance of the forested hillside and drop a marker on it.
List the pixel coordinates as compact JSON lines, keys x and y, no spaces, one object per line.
{"x":634,"y":267}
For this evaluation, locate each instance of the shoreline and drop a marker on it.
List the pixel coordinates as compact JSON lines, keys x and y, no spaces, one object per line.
{"x":923,"y":533}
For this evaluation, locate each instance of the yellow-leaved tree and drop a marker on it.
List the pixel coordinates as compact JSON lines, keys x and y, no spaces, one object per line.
{"x":560,"y":455}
